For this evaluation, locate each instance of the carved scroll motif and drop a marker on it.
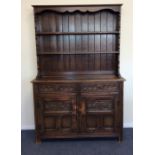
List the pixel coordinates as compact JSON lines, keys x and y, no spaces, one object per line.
{"x":57,"y":106}
{"x":100,"y":105}
{"x":100,"y":87}
{"x":56,"y":88}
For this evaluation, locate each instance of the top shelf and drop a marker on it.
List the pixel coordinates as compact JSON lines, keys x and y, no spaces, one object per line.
{"x":75,"y":33}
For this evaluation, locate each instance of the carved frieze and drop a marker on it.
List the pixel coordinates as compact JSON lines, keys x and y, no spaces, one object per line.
{"x":100,"y":105}
{"x":99,"y":87}
{"x":56,"y":88}
{"x":57,"y":105}
{"x":96,"y":87}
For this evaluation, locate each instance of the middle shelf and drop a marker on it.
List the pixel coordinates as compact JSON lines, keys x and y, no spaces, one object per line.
{"x":75,"y":53}
{"x":76,"y":33}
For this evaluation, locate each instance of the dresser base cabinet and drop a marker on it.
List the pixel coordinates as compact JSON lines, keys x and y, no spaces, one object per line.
{"x":78,"y":110}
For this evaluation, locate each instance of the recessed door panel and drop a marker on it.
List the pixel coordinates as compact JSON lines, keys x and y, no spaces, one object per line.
{"x":97,"y":113}
{"x":58,"y":113}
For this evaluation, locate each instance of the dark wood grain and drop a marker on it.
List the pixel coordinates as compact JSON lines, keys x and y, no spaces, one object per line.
{"x":78,"y":91}
{"x":73,"y":8}
{"x":76,"y":33}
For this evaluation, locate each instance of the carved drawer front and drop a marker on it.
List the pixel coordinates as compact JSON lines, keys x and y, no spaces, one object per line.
{"x":100,"y":87}
{"x":97,"y":113}
{"x":51,"y":88}
{"x":58,"y":113}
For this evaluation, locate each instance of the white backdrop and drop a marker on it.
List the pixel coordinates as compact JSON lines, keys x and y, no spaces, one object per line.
{"x":29,"y":64}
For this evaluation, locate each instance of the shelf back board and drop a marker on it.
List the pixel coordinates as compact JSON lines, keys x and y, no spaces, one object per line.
{"x":77,"y":39}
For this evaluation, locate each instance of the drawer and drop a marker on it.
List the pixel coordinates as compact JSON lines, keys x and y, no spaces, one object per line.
{"x":52,"y":88}
{"x":100,"y":87}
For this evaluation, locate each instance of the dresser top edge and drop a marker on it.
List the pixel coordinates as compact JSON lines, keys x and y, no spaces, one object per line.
{"x":121,"y":79}
{"x":78,"y":5}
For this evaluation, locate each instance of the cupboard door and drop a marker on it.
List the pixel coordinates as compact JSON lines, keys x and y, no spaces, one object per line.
{"x":58,"y":114}
{"x":98,"y":114}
